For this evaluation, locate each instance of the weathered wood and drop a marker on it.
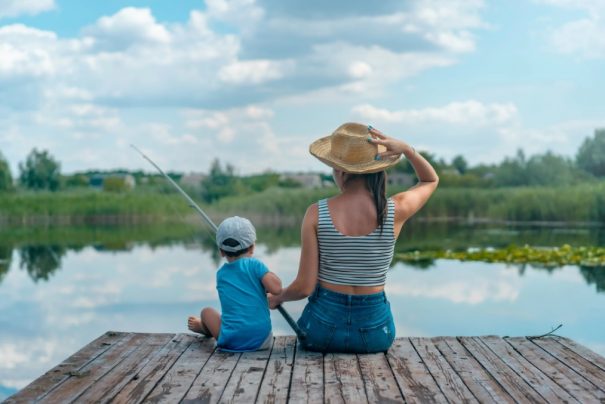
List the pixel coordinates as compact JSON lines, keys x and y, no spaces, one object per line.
{"x":586,"y":353}
{"x":480,"y":382}
{"x":561,"y":374}
{"x":113,"y":381}
{"x":141,"y":383}
{"x":508,"y":379}
{"x":78,"y":382}
{"x":380,"y":384}
{"x":209,"y":385}
{"x":72,"y":365}
{"x":342,"y":380}
{"x":275,"y":384}
{"x":245,"y":380}
{"x":414,"y":380}
{"x":532,"y":375}
{"x":446,"y":377}
{"x":307,"y":377}
{"x":134,"y":368}
{"x":578,"y":363}
{"x":175,"y":383}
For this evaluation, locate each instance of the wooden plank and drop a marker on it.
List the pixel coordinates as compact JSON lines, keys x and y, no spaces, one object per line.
{"x":484,"y":387}
{"x":144,"y":380}
{"x":112,"y":382}
{"x":245,"y":380}
{"x":446,"y":377}
{"x":579,"y":364}
{"x":342,"y":379}
{"x":276,"y":382}
{"x":380,"y":384}
{"x":209,"y":385}
{"x":577,"y":386}
{"x":508,"y":379}
{"x":548,"y":389}
{"x":307,"y":377}
{"x":581,"y":350}
{"x":175,"y":383}
{"x":414,"y":380}
{"x":89,"y":374}
{"x":72,"y":365}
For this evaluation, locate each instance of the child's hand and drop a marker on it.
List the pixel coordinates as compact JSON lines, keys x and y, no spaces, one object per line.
{"x":274,"y":300}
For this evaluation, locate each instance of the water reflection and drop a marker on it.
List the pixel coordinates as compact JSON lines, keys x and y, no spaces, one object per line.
{"x":61,"y":288}
{"x":41,"y":251}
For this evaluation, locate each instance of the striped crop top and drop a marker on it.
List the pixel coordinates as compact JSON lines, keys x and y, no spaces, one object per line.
{"x":354,"y":260}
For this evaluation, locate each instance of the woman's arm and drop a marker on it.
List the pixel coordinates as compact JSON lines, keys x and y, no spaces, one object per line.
{"x":409,"y":202}
{"x":306,"y":279}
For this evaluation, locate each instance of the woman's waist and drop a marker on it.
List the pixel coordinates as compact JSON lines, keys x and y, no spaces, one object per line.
{"x":339,"y":294}
{"x":354,"y":290}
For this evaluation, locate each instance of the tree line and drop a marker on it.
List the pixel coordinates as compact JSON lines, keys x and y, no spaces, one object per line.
{"x":41,"y":171}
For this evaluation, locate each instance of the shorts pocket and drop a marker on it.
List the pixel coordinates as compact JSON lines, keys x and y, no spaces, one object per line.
{"x":378,"y":338}
{"x":319,"y":333}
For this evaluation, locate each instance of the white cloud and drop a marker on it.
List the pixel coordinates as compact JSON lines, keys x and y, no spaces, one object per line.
{"x":251,"y":72}
{"x":127,"y":27}
{"x":583,"y":36}
{"x":472,"y":113}
{"x":14,"y":8}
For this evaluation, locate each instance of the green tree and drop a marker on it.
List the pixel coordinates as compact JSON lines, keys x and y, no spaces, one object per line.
{"x":550,"y":169}
{"x":6,"y":178}
{"x":460,"y":164}
{"x":591,"y":155}
{"x":40,"y":171}
{"x":512,"y":171}
{"x":220,"y":182}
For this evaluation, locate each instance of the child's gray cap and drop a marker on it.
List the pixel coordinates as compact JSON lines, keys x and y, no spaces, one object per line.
{"x":239,"y":229}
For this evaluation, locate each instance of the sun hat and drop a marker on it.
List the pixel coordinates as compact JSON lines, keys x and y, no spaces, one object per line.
{"x":237,"y":228}
{"x":348,"y":149}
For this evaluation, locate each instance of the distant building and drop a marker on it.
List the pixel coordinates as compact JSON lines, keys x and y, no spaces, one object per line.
{"x":400,"y":179}
{"x":123,"y":181}
{"x":309,"y":180}
{"x":192,"y":180}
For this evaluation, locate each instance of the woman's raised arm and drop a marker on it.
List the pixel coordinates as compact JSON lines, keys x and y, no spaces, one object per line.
{"x":306,"y":279}
{"x":409,"y":202}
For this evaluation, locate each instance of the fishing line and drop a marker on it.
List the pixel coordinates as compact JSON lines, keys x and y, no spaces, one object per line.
{"x":299,"y":333}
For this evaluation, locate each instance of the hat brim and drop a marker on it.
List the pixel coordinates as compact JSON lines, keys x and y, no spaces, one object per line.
{"x":322,"y":150}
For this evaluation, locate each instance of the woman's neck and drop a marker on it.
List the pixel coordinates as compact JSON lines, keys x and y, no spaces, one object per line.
{"x":355,"y":186}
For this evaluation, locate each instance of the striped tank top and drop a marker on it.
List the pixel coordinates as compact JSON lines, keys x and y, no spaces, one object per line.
{"x":354,"y":260}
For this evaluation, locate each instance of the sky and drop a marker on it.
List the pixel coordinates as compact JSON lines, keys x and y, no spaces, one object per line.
{"x":254,"y":82}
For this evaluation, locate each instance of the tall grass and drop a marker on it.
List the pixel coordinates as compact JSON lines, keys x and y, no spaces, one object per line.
{"x":281,"y":206}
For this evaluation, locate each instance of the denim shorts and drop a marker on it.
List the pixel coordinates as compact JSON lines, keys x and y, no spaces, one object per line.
{"x":337,"y":322}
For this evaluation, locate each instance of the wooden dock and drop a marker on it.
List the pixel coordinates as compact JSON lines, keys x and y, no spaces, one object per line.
{"x":132,"y":368}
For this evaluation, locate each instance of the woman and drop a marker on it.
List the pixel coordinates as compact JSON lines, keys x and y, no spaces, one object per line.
{"x":348,"y":242}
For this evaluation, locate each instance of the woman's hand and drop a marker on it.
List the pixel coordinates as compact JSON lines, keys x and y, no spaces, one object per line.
{"x":394,"y":147}
{"x":274,"y":300}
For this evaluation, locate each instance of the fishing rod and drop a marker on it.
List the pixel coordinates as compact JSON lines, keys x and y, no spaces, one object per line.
{"x":299,"y":333}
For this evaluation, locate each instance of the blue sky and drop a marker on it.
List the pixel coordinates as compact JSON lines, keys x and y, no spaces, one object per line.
{"x":253,"y":82}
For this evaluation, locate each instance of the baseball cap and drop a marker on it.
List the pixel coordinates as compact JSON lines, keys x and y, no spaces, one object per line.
{"x":237,"y":228}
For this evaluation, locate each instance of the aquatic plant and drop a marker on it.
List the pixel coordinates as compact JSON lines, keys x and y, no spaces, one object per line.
{"x":551,"y":257}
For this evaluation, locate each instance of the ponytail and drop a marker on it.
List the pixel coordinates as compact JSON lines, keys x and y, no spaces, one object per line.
{"x":376,"y":184}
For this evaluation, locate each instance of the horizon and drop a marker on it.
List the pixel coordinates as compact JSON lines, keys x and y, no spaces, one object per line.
{"x":254,"y":82}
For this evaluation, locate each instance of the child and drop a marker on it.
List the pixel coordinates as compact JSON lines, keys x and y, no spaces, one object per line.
{"x":242,"y":284}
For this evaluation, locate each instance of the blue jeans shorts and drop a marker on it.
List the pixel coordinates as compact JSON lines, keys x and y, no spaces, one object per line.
{"x":337,"y":322}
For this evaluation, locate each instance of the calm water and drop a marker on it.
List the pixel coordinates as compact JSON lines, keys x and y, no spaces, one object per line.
{"x":62,"y":288}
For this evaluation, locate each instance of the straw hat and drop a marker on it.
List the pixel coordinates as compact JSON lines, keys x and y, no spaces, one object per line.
{"x":348,"y":149}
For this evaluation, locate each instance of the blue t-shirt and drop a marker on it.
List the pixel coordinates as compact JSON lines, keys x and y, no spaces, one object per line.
{"x":245,"y":320}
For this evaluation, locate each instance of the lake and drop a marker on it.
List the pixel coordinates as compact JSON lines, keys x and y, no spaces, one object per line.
{"x":62,"y":287}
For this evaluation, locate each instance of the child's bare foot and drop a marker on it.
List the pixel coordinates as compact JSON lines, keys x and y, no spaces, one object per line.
{"x":195,"y":324}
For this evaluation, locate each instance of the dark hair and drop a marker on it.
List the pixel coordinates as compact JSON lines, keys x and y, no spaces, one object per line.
{"x":234,"y":243}
{"x":376,"y":184}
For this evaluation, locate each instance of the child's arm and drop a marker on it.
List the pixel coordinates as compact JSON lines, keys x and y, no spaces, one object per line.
{"x":272,"y":283}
